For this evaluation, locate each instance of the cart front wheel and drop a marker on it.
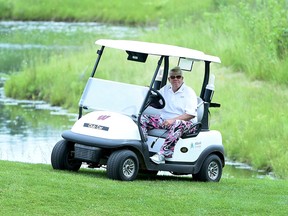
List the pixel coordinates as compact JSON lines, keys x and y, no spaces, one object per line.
{"x":62,"y":157}
{"x":122,"y":165}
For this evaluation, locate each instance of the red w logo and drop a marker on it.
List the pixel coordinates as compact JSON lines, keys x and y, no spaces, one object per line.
{"x":103,"y":117}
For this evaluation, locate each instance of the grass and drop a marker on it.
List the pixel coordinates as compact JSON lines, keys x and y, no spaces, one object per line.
{"x":28,"y":189}
{"x":130,"y":12}
{"x":258,"y":124}
{"x":249,"y":36}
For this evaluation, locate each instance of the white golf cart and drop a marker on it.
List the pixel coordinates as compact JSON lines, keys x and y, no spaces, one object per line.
{"x":109,"y":133}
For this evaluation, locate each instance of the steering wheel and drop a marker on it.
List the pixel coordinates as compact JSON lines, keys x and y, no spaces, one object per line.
{"x":155,"y":99}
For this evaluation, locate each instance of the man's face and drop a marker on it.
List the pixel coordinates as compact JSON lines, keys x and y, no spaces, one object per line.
{"x":176,"y":80}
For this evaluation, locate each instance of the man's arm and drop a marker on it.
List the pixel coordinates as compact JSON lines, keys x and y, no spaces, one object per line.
{"x":185,"y":117}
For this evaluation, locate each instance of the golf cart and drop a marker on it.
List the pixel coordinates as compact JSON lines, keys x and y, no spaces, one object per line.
{"x":108,"y":132}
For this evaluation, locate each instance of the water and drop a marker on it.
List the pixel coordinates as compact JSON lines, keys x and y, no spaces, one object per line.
{"x":30,"y":129}
{"x":68,"y":28}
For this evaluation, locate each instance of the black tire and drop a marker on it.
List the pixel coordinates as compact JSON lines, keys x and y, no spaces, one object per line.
{"x":62,"y":157}
{"x":122,"y":165}
{"x":211,"y":170}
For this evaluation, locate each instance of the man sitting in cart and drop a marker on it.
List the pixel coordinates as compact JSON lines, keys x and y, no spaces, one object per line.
{"x":178,"y":115}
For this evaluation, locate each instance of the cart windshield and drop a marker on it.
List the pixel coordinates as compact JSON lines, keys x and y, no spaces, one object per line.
{"x":113,"y":96}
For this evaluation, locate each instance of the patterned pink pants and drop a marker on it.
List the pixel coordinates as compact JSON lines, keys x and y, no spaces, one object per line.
{"x":175,"y":131}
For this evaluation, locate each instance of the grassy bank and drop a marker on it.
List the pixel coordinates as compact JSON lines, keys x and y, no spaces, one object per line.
{"x":38,"y":190}
{"x":249,"y":37}
{"x":128,"y":12}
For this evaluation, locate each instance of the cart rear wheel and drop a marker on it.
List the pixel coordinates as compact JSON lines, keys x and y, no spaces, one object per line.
{"x":122,"y":165}
{"x":211,"y":170}
{"x":62,"y":157}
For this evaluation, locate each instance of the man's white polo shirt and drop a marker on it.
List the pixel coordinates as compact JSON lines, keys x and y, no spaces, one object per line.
{"x":177,"y":103}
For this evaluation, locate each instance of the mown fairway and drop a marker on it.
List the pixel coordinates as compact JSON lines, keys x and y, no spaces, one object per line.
{"x":38,"y":190}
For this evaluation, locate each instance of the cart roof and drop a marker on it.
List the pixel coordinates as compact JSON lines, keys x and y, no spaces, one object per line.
{"x":157,"y":49}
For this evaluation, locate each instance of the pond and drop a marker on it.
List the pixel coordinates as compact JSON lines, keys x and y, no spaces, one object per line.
{"x":30,"y":129}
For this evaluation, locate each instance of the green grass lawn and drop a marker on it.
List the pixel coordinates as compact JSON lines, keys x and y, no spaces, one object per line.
{"x":29,"y":189}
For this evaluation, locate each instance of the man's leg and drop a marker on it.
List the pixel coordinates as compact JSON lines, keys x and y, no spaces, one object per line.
{"x":175,"y":132}
{"x":149,"y":122}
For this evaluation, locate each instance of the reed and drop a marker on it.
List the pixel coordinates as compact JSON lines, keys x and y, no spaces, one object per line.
{"x":130,"y":12}
{"x":249,"y":37}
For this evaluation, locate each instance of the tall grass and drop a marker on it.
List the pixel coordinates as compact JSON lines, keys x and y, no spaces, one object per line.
{"x":263,"y":38}
{"x":128,"y":12}
{"x":249,"y":37}
{"x":252,"y":121}
{"x":59,"y":81}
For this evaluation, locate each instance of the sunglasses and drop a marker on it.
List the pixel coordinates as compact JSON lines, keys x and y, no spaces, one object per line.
{"x":174,"y":77}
